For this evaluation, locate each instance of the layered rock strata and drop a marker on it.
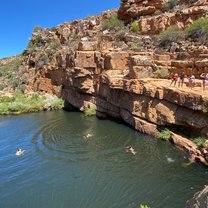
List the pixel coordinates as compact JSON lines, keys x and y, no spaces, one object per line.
{"x":96,"y":67}
{"x":155,"y":16}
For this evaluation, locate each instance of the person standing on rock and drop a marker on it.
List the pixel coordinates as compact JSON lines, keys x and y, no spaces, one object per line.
{"x":191,"y":81}
{"x":203,"y":76}
{"x":174,"y":79}
{"x":181,"y":79}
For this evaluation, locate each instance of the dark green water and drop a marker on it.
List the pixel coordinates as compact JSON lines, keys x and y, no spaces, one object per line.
{"x":61,"y":169}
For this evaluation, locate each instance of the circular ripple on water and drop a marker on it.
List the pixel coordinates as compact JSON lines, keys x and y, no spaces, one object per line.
{"x":65,"y":142}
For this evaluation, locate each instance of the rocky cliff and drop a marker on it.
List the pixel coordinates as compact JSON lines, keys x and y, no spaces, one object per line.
{"x":199,"y":200}
{"x":155,"y":16}
{"x":101,"y":62}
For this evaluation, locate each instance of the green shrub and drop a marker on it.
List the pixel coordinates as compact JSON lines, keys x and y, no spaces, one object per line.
{"x":161,"y":73}
{"x":38,"y":41}
{"x":172,"y":34}
{"x":31,"y":48}
{"x":52,"y":47}
{"x":164,"y":134}
{"x":2,"y":86}
{"x":136,"y":45}
{"x":170,"y":4}
{"x":144,"y":206}
{"x":15,"y":82}
{"x":113,"y":23}
{"x":23,"y":104}
{"x":198,"y":29}
{"x":90,"y":111}
{"x":135,"y":27}
{"x":44,"y":60}
{"x":37,"y":28}
{"x":201,"y":142}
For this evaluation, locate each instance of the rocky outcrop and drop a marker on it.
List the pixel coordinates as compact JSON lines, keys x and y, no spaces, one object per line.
{"x":156,"y":16}
{"x":92,"y":70}
{"x":199,"y":200}
{"x":132,"y":9}
{"x":119,"y":72}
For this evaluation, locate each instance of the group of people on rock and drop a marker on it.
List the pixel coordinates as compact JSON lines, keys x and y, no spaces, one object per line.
{"x":191,"y":79}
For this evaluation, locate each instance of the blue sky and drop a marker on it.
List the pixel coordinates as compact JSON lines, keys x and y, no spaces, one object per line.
{"x":19,"y":17}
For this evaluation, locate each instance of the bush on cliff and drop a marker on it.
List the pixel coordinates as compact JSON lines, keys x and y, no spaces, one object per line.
{"x":135,"y":27}
{"x":113,"y":23}
{"x":161,"y":73}
{"x":172,"y":34}
{"x":37,"y":28}
{"x":136,"y":45}
{"x":201,"y":142}
{"x":198,"y":30}
{"x":12,"y":74}
{"x":90,"y":111}
{"x":170,"y":4}
{"x":164,"y":134}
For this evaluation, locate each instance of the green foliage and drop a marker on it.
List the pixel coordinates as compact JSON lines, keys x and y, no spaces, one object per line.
{"x":135,"y":27}
{"x":11,"y":74}
{"x":161,"y":73}
{"x":198,"y":29}
{"x":172,"y":34}
{"x":170,"y":4}
{"x":31,"y":48}
{"x":44,"y":60}
{"x":90,"y":111}
{"x":38,"y":41}
{"x":136,"y":45}
{"x":37,"y":28}
{"x":2,"y":86}
{"x":12,"y":65}
{"x":113,"y":23}
{"x":144,"y":206}
{"x":23,"y":104}
{"x":164,"y":134}
{"x":52,"y":47}
{"x":201,"y":142}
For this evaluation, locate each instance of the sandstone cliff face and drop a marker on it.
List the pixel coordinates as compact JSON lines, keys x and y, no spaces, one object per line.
{"x":155,"y":16}
{"x":117,"y":81}
{"x":97,"y":67}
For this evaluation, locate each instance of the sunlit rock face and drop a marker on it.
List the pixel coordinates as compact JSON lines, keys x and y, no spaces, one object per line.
{"x":156,"y":16}
{"x":93,"y":66}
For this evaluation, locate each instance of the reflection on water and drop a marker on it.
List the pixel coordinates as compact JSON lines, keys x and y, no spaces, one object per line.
{"x":60,"y":168}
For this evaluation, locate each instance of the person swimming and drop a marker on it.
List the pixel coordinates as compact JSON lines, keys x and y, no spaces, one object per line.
{"x":87,"y":136}
{"x":19,"y":152}
{"x":131,"y":150}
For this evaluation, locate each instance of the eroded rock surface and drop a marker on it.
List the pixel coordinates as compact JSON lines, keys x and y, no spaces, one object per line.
{"x":200,"y":200}
{"x":116,"y":71}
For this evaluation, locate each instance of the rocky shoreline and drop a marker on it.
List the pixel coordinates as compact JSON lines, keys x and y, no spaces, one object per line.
{"x":120,"y":63}
{"x":99,"y":62}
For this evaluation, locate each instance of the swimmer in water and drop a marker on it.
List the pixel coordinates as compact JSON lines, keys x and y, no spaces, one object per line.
{"x":87,"y":136}
{"x":131,"y":150}
{"x":19,"y":152}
